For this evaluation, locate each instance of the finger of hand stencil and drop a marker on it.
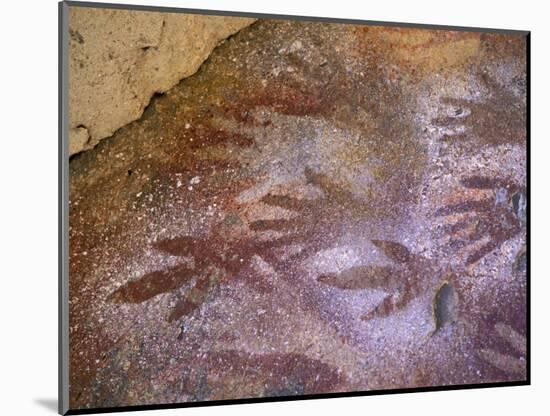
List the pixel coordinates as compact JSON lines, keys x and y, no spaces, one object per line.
{"x":193,"y":299}
{"x":394,"y":250}
{"x":360,"y":277}
{"x":457,"y":227}
{"x":514,"y":338}
{"x":483,"y":182}
{"x":180,"y":246}
{"x":287,"y":202}
{"x":152,"y":284}
{"x":184,"y":307}
{"x":481,"y":252}
{"x":280,"y":242}
{"x":504,"y":362}
{"x":448,"y":121}
{"x":382,"y":310}
{"x":330,"y":188}
{"x":277,"y":225}
{"x":296,"y":258}
{"x":452,"y":136}
{"x":455,"y":244}
{"x":465,"y":206}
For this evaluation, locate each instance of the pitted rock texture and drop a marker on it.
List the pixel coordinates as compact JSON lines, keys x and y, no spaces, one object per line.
{"x":119,"y":59}
{"x":322,"y":208}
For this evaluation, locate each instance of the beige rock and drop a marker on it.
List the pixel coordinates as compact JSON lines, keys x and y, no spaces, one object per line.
{"x":120,"y":58}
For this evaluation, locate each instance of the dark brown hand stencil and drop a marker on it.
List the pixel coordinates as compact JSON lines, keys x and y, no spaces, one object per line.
{"x":483,"y":225}
{"x":403,"y":281}
{"x":499,"y":117}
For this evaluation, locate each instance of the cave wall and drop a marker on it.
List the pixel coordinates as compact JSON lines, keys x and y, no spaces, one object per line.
{"x":118,"y":59}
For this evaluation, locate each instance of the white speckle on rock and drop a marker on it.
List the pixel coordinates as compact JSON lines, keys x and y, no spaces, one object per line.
{"x":296,"y":46}
{"x":276,"y":71}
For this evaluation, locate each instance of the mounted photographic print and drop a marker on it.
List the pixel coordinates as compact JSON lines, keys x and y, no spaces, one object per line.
{"x":259,"y":208}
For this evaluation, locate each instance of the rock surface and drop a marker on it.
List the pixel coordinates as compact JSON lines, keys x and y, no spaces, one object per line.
{"x":322,"y":208}
{"x":120,"y":58}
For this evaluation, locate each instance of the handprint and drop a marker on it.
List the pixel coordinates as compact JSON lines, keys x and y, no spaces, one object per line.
{"x":498,"y":118}
{"x":479,"y":226}
{"x":512,"y":364}
{"x":216,"y":258}
{"x":403,"y":281}
{"x":314,"y":220}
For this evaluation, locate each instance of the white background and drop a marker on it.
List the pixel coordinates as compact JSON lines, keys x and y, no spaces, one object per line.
{"x":28,"y":205}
